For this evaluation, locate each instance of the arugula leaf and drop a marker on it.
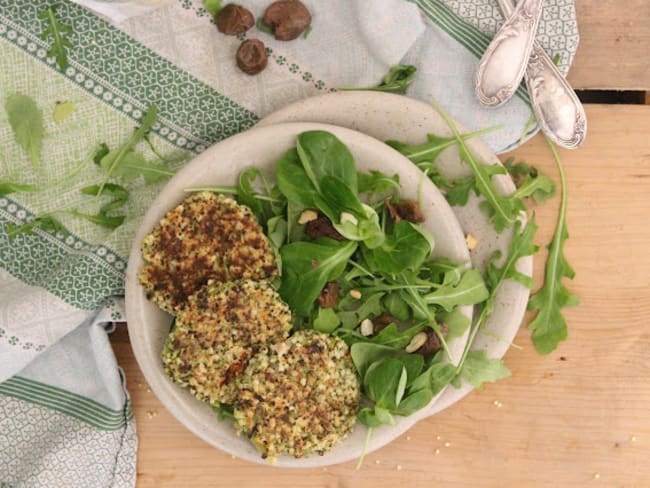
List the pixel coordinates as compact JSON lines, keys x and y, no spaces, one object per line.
{"x":102,"y":218}
{"x":132,"y":165}
{"x":404,"y":248}
{"x":470,"y":290}
{"x":429,"y":151}
{"x":7,"y":187}
{"x":308,"y":266}
{"x":549,"y":326}
{"x":397,"y":80}
{"x":102,"y":151}
{"x":57,"y":30}
{"x":26,"y":121}
{"x":212,"y":6}
{"x":458,"y":191}
{"x":45,"y":222}
{"x":478,"y":368}
{"x":530,"y":182}
{"x":521,"y":245}
{"x":503,"y":210}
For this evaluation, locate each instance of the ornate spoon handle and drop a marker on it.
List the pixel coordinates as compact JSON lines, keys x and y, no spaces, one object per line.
{"x":502,"y":67}
{"x":557,"y":108}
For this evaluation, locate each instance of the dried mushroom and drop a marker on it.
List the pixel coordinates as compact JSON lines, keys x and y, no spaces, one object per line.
{"x":251,"y":56}
{"x":289,"y":19}
{"x":234,"y":19}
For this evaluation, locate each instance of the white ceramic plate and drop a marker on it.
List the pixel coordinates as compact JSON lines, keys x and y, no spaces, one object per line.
{"x":386,"y":116}
{"x":220,"y":165}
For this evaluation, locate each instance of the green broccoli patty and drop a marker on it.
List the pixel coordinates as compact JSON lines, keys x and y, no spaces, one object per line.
{"x":206,"y":237}
{"x":222,"y":326}
{"x":299,"y":396}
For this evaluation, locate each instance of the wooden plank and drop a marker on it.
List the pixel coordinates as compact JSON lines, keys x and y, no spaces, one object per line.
{"x":614,"y":40}
{"x":575,"y":417}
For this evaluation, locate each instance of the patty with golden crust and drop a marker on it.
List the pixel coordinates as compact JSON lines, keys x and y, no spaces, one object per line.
{"x":299,"y":396}
{"x":222,"y":326}
{"x":206,"y":237}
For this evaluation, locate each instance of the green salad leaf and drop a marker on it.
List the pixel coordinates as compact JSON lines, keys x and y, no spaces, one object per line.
{"x":549,"y":326}
{"x":26,"y":121}
{"x":478,"y":368}
{"x":308,"y":266}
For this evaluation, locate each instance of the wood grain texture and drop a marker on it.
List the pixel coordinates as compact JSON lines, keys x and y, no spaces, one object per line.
{"x":614,"y":40}
{"x":578,"y":417}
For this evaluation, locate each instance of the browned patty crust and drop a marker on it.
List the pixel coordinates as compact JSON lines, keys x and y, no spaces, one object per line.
{"x":216,"y":334}
{"x":206,"y":237}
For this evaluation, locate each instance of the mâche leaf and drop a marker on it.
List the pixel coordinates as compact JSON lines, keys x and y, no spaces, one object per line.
{"x":308,"y":266}
{"x":26,"y":121}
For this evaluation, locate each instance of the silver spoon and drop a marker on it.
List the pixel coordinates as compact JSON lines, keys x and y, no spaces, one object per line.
{"x":557,"y":108}
{"x":502,"y":67}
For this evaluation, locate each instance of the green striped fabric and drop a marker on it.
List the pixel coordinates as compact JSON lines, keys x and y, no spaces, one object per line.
{"x":79,"y":407}
{"x":467,"y":35}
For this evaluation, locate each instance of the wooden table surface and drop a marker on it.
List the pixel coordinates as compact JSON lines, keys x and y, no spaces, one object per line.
{"x":577,"y":417}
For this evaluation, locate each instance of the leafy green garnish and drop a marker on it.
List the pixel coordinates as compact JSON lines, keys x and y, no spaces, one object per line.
{"x":57,"y":30}
{"x":124,"y":163}
{"x":308,"y":266}
{"x":430,"y":150}
{"x":549,"y":326}
{"x":397,"y":80}
{"x":503,"y":210}
{"x":212,"y":6}
{"x":7,"y":187}
{"x":530,"y":182}
{"x":45,"y":222}
{"x":405,"y":248}
{"x":120,"y":196}
{"x":469,"y":291}
{"x":26,"y":121}
{"x":478,"y":368}
{"x":262,"y":27}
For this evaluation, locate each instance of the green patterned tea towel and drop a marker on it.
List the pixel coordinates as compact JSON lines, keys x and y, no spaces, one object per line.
{"x":64,"y":409}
